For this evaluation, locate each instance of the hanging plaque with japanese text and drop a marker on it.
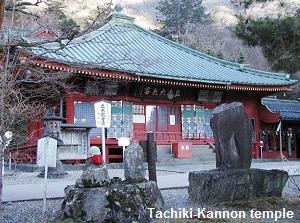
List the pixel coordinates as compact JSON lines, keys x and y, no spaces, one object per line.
{"x":159,"y":92}
{"x":210,"y":96}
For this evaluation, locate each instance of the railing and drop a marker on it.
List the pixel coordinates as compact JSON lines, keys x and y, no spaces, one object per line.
{"x":24,"y":154}
{"x":171,"y":136}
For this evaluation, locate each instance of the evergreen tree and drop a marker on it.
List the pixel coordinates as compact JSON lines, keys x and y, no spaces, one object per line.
{"x":66,"y":25}
{"x":279,"y":38}
{"x":247,"y":3}
{"x":96,"y":17}
{"x":178,"y":16}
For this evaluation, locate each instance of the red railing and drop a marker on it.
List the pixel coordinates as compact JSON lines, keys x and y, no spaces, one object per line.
{"x":171,"y":136}
{"x":24,"y":154}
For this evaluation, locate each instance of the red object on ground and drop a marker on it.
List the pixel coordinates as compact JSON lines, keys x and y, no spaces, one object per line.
{"x":182,"y":149}
{"x":97,"y":160}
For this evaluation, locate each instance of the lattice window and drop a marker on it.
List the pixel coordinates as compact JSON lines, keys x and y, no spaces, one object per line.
{"x":138,"y":110}
{"x":84,"y":113}
{"x":195,"y":122}
{"x":121,"y":118}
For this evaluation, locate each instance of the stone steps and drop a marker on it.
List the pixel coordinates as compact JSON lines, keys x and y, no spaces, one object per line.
{"x":200,"y":153}
{"x":176,"y":161}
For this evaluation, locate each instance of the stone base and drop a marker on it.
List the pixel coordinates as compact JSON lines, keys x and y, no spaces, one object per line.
{"x":57,"y":172}
{"x":117,"y":202}
{"x":93,"y":176}
{"x":216,"y":186}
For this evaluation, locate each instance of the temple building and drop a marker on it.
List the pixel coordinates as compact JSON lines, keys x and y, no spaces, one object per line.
{"x":285,"y":114}
{"x":153,"y":84}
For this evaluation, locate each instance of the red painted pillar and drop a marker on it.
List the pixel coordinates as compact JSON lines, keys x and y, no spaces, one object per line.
{"x":257,"y":122}
{"x":69,"y":109}
{"x":35,"y":130}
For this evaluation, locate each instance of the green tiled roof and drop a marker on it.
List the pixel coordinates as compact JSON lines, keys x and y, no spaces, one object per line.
{"x":121,"y":45}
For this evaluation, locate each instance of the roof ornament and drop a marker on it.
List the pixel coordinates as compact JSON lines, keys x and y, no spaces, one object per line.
{"x":118,"y":8}
{"x":242,"y":67}
{"x":119,"y":16}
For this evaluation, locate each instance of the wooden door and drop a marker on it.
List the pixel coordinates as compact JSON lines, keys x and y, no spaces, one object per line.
{"x":164,"y":120}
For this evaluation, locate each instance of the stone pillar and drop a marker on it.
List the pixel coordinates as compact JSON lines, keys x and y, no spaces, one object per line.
{"x":134,"y":169}
{"x":232,"y":131}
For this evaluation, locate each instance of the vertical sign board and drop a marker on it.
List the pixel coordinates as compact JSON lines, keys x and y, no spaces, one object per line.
{"x":102,"y":117}
{"x":50,"y":145}
{"x":102,"y":114}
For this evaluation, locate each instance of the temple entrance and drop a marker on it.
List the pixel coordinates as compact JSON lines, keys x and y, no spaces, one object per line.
{"x":164,"y":120}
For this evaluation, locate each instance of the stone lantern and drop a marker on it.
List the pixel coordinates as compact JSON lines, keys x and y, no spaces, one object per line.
{"x":52,"y":125}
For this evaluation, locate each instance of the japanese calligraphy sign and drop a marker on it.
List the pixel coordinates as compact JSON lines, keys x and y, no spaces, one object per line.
{"x":102,"y":114}
{"x":210,"y":96}
{"x":160,"y":92}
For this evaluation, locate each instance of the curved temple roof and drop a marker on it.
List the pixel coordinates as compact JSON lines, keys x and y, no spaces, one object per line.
{"x":288,"y":109}
{"x":120,"y":45}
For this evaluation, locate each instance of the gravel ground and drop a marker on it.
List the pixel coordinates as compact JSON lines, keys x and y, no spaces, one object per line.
{"x":18,"y":177}
{"x":31,"y":211}
{"x":31,"y":178}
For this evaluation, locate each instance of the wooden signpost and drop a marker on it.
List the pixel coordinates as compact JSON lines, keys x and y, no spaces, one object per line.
{"x":102,"y":117}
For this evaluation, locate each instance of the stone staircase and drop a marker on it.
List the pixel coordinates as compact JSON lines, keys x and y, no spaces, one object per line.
{"x":200,"y":153}
{"x":164,"y":152}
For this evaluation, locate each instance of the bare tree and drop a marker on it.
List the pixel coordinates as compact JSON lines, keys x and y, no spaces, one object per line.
{"x":25,"y":90}
{"x":16,"y":6}
{"x":25,"y":93}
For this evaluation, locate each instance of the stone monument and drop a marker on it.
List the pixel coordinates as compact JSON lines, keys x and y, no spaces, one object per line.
{"x":96,"y":198}
{"x":232,"y":130}
{"x":134,"y":169}
{"x":233,"y":179}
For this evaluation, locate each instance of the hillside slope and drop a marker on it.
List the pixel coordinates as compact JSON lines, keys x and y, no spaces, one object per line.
{"x":224,"y":12}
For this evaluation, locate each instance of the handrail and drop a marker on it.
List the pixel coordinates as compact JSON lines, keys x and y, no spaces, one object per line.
{"x":23,"y":147}
{"x":171,"y":136}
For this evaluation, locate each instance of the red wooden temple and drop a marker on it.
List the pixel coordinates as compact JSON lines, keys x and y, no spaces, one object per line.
{"x":154,"y":84}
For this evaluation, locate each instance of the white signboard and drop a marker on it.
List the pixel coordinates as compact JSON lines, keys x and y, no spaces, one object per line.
{"x":102,"y":114}
{"x":172,"y":119}
{"x":138,"y":119}
{"x":123,"y":141}
{"x":50,"y":145}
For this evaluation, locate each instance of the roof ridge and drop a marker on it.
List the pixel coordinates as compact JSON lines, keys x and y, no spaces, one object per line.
{"x":188,"y":64}
{"x":112,"y":21}
{"x":209,"y":57}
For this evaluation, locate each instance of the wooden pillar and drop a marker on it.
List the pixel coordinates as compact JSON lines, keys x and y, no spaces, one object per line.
{"x":151,"y":152}
{"x":69,"y":109}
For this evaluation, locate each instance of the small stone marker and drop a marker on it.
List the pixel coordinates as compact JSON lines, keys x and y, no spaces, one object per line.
{"x":93,"y":175}
{"x":134,"y":169}
{"x":232,"y":131}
